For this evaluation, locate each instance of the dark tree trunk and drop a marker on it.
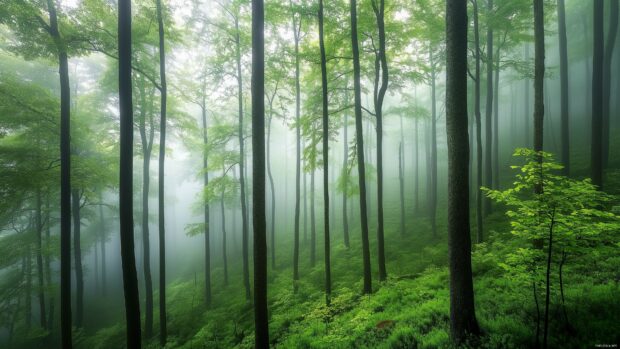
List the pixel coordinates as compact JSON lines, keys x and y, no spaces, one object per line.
{"x":596,"y":149}
{"x":224,"y":248}
{"x":565,"y":153}
{"x":416,"y":167}
{"x":48,"y":267}
{"x":607,"y":73}
{"x":401,"y":182}
{"x":130,"y":277}
{"x":261,"y":320}
{"x":462,"y":312}
{"x":433,"y":163}
{"x":305,"y":184}
{"x":28,"y":286}
{"x":312,"y":217}
{"x":539,"y":76}
{"x":77,"y":259}
{"x":146,"y":245}
{"x":526,"y":94}
{"x":207,"y":232}
{"x":379,"y":10}
{"x":65,"y":180}
{"x":328,"y":277}
{"x":479,"y":221}
{"x":163,"y":331}
{"x":488,"y":151}
{"x":296,"y":33}
{"x":345,"y":172}
{"x":359,"y":132}
{"x":548,"y":281}
{"x":244,"y":210}
{"x":495,"y":162}
{"x":41,"y":285}
{"x":273,"y":194}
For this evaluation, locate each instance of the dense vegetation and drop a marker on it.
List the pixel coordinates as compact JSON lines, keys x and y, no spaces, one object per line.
{"x":309,"y":174}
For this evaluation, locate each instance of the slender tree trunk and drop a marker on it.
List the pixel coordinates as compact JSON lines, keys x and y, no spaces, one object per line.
{"x":416,"y":167}
{"x":303,"y":174}
{"x":163,"y":331}
{"x":296,"y":33}
{"x":102,"y":246}
{"x":596,"y":149}
{"x":312,"y":218}
{"x":433,"y":164}
{"x":479,"y":221}
{"x":146,"y":148}
{"x":65,"y":179}
{"x":345,"y":173}
{"x":537,"y":342}
{"x":328,"y":277}
{"x":488,"y":168}
{"x":273,"y":193}
{"x":401,"y":181}
{"x":379,"y":10}
{"x":244,"y":214}
{"x":565,"y":153}
{"x":361,"y":168}
{"x":560,"y":272}
{"x":607,"y":74}
{"x":462,"y":311}
{"x":526,"y":94}
{"x":207,"y":232}
{"x":224,"y":248}
{"x":41,"y":285}
{"x":261,"y":319}
{"x":48,"y":267}
{"x":548,"y":281}
{"x":539,"y":76}
{"x":77,"y":259}
{"x":28,"y":295}
{"x":130,"y":277}
{"x":496,"y":181}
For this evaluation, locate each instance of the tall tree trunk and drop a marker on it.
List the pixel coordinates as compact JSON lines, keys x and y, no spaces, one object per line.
{"x":433,"y":163}
{"x":479,"y":221}
{"x":224,"y":248}
{"x":244,"y":210}
{"x":526,"y":94}
{"x":146,"y":245}
{"x":462,"y":311}
{"x":379,"y":10}
{"x":565,"y":153}
{"x":359,"y":132}
{"x":303,"y":174}
{"x":28,"y":295}
{"x":273,"y":193}
{"x":207,"y":232}
{"x":607,"y":73}
{"x":130,"y":277}
{"x":312,"y":216}
{"x":328,"y":275}
{"x":416,"y":167}
{"x":296,"y":33}
{"x":596,"y":149}
{"x":548,"y":280}
{"x":41,"y":285}
{"x":401,"y":181}
{"x":495,"y":162}
{"x":488,"y":168}
{"x":77,"y":259}
{"x":163,"y":331}
{"x":65,"y":179}
{"x":345,"y":173}
{"x":48,"y":267}
{"x":539,"y":76}
{"x":261,"y":320}
{"x":102,"y":245}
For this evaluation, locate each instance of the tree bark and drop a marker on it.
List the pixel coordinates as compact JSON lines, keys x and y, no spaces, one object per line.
{"x":296,"y":33}
{"x":65,"y":179}
{"x":328,"y":277}
{"x":539,"y":76}
{"x":261,"y":320}
{"x":495,"y":162}
{"x":607,"y":73}
{"x":526,"y":94}
{"x":207,"y":232}
{"x":102,"y":246}
{"x":433,"y":136}
{"x":77,"y":259}
{"x":359,"y":131}
{"x":379,"y":10}
{"x":462,"y":311}
{"x":41,"y":285}
{"x":146,"y":148}
{"x":312,"y":217}
{"x":564,"y":117}
{"x":163,"y":331}
{"x":224,"y":247}
{"x":130,"y":277}
{"x":48,"y":267}
{"x":244,"y":210}
{"x":401,"y":182}
{"x":345,"y":173}
{"x":273,"y":193}
{"x":596,"y":149}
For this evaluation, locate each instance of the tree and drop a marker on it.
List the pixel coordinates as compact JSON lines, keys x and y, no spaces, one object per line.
{"x":564,"y":87}
{"x":479,"y":221}
{"x":328,"y":277}
{"x":128,"y":259}
{"x":359,"y":144}
{"x":296,"y":26}
{"x":261,"y":320}
{"x":163,"y":332}
{"x":596,"y":149}
{"x":607,"y":74}
{"x":462,"y":311}
{"x":539,"y":76}
{"x":381,"y":56}
{"x":488,"y":137}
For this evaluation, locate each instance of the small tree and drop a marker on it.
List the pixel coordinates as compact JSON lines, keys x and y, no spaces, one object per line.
{"x":568,"y":216}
